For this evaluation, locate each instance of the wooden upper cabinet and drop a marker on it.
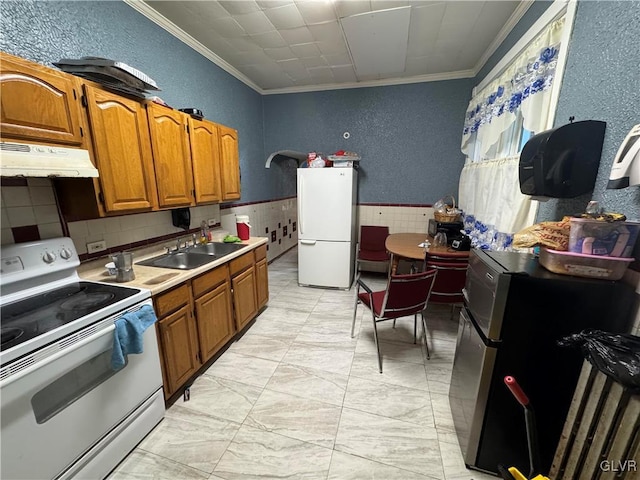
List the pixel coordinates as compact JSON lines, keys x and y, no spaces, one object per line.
{"x":230,"y":163}
{"x":38,"y":103}
{"x":122,"y":149}
{"x":171,"y":156}
{"x":205,"y":159}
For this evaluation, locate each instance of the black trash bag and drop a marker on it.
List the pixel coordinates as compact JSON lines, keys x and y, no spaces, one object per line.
{"x":615,"y":355}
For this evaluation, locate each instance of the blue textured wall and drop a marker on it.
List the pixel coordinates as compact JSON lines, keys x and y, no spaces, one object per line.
{"x":45,"y":32}
{"x":408,"y":136}
{"x":602,"y":82}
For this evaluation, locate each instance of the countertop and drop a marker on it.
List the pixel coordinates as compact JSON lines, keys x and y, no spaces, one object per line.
{"x":156,"y":279}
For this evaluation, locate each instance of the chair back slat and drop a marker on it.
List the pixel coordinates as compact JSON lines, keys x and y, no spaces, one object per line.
{"x":451,"y":279}
{"x":407,"y":294}
{"x":372,"y":238}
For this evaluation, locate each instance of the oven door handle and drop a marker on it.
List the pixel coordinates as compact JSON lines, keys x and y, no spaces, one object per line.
{"x":52,"y":358}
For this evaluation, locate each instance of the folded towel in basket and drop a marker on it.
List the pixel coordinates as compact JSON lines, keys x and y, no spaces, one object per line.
{"x":127,"y":337}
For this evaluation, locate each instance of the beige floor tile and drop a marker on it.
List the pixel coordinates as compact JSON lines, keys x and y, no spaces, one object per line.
{"x":391,"y":442}
{"x":393,"y":401}
{"x":350,"y":467}
{"x":324,"y":358}
{"x":141,"y":465}
{"x":255,"y":454}
{"x":311,"y":383}
{"x":261,"y":346}
{"x":300,"y":418}
{"x":243,"y":369}
{"x":190,"y":438}
{"x":406,"y":374}
{"x":222,"y":398}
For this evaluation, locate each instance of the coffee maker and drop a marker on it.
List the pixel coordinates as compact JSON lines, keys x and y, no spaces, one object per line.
{"x":452,"y":229}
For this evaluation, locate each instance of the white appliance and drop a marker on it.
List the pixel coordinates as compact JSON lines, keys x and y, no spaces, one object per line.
{"x":64,"y":411}
{"x":30,"y":160}
{"x":327,"y":226}
{"x":625,"y":170}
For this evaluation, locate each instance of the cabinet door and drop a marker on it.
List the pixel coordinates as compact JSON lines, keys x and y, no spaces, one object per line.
{"x":214,"y":318}
{"x":171,"y":157}
{"x":179,"y":347}
{"x":123,"y":151}
{"x":244,"y":297}
{"x":230,"y":163}
{"x":38,"y":103}
{"x":262,"y":283}
{"x":205,"y":159}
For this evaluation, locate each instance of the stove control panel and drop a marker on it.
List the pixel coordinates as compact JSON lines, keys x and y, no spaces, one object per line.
{"x":37,"y":262}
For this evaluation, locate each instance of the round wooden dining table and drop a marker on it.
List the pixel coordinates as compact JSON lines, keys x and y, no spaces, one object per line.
{"x":406,"y":246}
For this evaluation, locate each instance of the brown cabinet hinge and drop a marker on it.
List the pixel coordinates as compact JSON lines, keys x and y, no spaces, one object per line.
{"x":75,"y":97}
{"x":83,"y":100}
{"x":81,"y":132}
{"x":101,"y":197}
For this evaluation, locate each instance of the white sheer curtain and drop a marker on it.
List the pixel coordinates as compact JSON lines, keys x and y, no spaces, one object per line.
{"x":499,"y":120}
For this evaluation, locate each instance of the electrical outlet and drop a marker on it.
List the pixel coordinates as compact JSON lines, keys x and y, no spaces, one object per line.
{"x":212,"y":222}
{"x":94,"y":247}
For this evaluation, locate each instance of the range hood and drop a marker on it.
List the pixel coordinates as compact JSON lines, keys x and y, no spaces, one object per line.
{"x":29,"y":160}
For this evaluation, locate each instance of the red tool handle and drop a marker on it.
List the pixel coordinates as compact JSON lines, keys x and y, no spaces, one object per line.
{"x":517,"y":392}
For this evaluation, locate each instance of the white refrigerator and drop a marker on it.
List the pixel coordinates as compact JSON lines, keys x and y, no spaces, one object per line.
{"x":327,"y":226}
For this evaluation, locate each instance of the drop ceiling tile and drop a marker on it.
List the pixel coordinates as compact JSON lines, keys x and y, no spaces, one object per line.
{"x":346,"y":8}
{"x":326,"y":31}
{"x":311,"y":62}
{"x":244,"y":44}
{"x":271,"y":39}
{"x":344,"y":73}
{"x":250,"y":58}
{"x":281,"y":53}
{"x":316,"y":12}
{"x":338,"y":59}
{"x":306,"y":50}
{"x":235,"y":7}
{"x":205,"y":11}
{"x":227,"y":27}
{"x":254,"y":22}
{"x":285,"y":17}
{"x":322,"y":74}
{"x":294,"y":68}
{"x":387,"y":4}
{"x":416,"y":65}
{"x":298,"y":35}
{"x":273,"y":3}
{"x":464,"y":12}
{"x":333,"y":47}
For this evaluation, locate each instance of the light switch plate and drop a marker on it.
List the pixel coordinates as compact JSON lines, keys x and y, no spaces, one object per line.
{"x":94,"y":247}
{"x":212,"y":222}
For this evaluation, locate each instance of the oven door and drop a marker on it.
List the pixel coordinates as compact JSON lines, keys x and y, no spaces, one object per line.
{"x":55,"y":409}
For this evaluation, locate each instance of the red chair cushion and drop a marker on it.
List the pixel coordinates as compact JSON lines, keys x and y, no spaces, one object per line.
{"x":373,"y":256}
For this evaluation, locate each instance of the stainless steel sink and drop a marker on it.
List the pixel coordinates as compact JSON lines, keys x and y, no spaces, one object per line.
{"x":218,"y":249}
{"x":193,"y":257}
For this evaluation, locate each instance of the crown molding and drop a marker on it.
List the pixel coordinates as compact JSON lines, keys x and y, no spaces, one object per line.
{"x":162,"y":21}
{"x":436,"y":77}
{"x":513,"y":20}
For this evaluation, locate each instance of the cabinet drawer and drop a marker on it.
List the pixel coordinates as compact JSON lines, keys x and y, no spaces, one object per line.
{"x":172,"y":300}
{"x":260,"y":252}
{"x":239,"y":264}
{"x":210,"y":280}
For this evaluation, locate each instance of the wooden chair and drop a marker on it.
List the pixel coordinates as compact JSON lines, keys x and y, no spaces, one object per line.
{"x":371,"y":247}
{"x":452,"y":275}
{"x":405,"y":295}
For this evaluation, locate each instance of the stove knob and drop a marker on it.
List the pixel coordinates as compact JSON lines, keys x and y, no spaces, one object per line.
{"x":49,"y":257}
{"x":65,"y":253}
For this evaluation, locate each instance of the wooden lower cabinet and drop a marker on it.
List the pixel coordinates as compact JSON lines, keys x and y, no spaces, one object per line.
{"x":214,"y":319}
{"x":199,"y":317}
{"x":244,"y":297}
{"x":179,"y":347}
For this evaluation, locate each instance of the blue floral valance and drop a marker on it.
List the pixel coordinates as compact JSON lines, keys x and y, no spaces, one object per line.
{"x":536,"y":76}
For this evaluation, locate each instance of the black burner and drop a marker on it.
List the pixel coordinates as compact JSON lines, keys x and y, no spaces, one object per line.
{"x":83,"y":302}
{"x":39,"y":314}
{"x":10,"y":334}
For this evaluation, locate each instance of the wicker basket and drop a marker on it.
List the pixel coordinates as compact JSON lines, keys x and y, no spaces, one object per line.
{"x":447,"y":217}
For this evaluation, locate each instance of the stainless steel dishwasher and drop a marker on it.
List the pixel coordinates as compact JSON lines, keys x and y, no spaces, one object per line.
{"x":514,"y":312}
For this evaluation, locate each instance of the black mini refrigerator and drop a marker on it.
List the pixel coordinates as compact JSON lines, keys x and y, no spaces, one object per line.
{"x":514,"y":313}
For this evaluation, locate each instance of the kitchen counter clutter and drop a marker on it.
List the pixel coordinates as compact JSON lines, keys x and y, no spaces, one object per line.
{"x":199,"y":310}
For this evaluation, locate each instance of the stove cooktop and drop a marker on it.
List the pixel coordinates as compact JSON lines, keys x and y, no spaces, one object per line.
{"x":38,"y":314}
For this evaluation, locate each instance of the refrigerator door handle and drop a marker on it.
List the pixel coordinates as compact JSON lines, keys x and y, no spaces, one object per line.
{"x":308,"y":242}
{"x":301,"y":212}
